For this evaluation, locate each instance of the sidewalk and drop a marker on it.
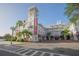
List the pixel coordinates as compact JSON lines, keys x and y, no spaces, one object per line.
{"x":61,"y":48}
{"x":74,"y":45}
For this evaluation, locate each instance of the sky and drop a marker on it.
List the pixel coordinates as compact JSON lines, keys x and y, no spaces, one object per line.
{"x":48,"y":14}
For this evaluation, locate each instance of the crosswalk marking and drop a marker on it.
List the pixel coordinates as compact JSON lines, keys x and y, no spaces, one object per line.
{"x":24,"y":51}
{"x":18,"y":49}
{"x":62,"y":55}
{"x":34,"y":53}
{"x":46,"y":54}
{"x":51,"y":54}
{"x":31,"y":52}
{"x":27,"y":52}
{"x":38,"y":53}
{"x":42,"y":53}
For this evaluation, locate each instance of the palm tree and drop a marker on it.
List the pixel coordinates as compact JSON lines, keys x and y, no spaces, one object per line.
{"x":19,"y":35}
{"x":24,"y":23}
{"x":48,"y":34}
{"x":65,"y":32}
{"x":13,"y":29}
{"x":30,"y":33}
{"x":19,"y":23}
{"x":72,"y":11}
{"x":26,"y":34}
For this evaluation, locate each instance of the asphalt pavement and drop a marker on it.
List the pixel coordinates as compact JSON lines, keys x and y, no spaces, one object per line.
{"x":5,"y":53}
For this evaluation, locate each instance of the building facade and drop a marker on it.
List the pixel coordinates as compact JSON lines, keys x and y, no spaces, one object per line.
{"x":39,"y":32}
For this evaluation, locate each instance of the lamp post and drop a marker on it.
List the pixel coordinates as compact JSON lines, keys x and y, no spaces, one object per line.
{"x":12,"y":37}
{"x":12,"y":28}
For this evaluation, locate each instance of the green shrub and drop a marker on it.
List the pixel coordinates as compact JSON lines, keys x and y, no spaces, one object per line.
{"x":7,"y":37}
{"x":17,"y":40}
{"x":20,"y":40}
{"x":14,"y":38}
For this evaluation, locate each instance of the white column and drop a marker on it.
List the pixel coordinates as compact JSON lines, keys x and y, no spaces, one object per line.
{"x":74,"y":34}
{"x":75,"y":37}
{"x":45,"y":37}
{"x":35,"y":38}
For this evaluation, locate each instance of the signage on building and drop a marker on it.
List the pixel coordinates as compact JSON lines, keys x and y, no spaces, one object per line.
{"x":35,"y":25}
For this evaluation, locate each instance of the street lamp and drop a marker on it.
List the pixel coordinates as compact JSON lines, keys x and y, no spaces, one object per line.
{"x":11,"y":40}
{"x":12,"y":28}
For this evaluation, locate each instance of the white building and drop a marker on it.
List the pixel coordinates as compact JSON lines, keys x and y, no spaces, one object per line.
{"x":41,"y":30}
{"x":57,"y":29}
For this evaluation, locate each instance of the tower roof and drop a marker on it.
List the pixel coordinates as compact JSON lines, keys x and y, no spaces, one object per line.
{"x":33,"y":8}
